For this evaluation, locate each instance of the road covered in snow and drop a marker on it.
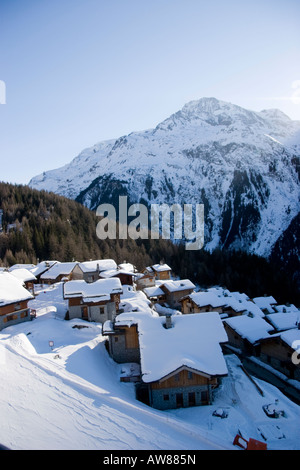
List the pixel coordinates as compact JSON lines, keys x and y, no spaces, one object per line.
{"x":59,"y":389}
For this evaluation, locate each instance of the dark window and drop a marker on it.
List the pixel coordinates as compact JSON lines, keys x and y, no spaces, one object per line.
{"x":166,"y":397}
{"x":179,"y":400}
{"x":192,"y":399}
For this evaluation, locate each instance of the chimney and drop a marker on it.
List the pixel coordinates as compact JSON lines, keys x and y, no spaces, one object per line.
{"x":168,"y":323}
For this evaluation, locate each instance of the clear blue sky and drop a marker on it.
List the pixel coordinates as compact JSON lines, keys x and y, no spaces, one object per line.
{"x":81,"y":71}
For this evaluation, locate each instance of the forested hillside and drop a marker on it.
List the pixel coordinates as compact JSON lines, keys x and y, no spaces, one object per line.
{"x":38,"y":225}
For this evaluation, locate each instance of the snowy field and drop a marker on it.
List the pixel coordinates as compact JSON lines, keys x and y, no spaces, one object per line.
{"x":69,"y":396}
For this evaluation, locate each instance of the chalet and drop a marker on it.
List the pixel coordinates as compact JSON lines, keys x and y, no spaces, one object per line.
{"x":245,"y":333}
{"x":266,"y":304}
{"x":97,"y":301}
{"x":41,"y":268}
{"x":89,"y":271}
{"x":26,"y":277}
{"x":282,"y":321}
{"x":281,"y":351}
{"x":199,"y":302}
{"x":58,"y":272}
{"x":162,"y":272}
{"x":155,"y":294}
{"x":14,"y":300}
{"x":123,"y":342}
{"x":126,"y":277}
{"x":175,"y":290}
{"x":180,"y":357}
{"x":145,"y":280}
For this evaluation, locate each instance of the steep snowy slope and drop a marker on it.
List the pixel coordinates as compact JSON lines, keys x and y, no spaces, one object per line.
{"x":242,"y":165}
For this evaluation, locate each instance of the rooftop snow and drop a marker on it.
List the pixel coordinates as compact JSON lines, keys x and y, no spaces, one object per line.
{"x":91,"y":290}
{"x":12,"y":290}
{"x":23,"y":274}
{"x":100,"y":264}
{"x":284,"y":321}
{"x":207,"y":298}
{"x":58,"y":269}
{"x":193,"y":341}
{"x":161,"y":267}
{"x":174,"y":286}
{"x":250,"y":328}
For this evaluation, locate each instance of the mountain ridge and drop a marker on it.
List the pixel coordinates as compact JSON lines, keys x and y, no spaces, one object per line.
{"x":242,"y":165}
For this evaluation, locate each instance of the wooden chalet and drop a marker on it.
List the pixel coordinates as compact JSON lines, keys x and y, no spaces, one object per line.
{"x":161,"y":271}
{"x":26,"y":277}
{"x":145,"y":280}
{"x":126,"y":277}
{"x":123,"y":341}
{"x":281,"y":351}
{"x":90,"y":271}
{"x":97,"y":301}
{"x":180,"y":357}
{"x":58,"y":272}
{"x":14,"y":300}
{"x":245,"y":333}
{"x":175,"y":290}
{"x":199,"y":302}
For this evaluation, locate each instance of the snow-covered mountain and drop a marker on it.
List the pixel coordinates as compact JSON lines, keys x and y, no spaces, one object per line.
{"x":244,"y":166}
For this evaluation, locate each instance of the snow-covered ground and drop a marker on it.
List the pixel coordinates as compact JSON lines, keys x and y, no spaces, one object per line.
{"x":69,"y":396}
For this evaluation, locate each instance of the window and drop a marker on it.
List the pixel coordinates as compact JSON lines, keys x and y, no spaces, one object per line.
{"x":176,"y":377}
{"x":166,"y":397}
{"x":18,"y":306}
{"x":190,"y":375}
{"x":102,"y":310}
{"x":192,"y":399}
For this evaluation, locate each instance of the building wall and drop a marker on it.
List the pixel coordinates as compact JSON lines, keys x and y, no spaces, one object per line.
{"x":99,"y":312}
{"x":181,"y":390}
{"x":172,"y":298}
{"x":163,"y":275}
{"x":279,"y":355}
{"x":9,"y":316}
{"x":170,"y":398}
{"x":124,"y":347}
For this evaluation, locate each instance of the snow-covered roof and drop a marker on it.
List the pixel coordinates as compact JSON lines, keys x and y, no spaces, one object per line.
{"x":292,"y":338}
{"x":42,"y":267}
{"x":12,"y":290}
{"x":92,"y":291}
{"x":100,"y":264}
{"x":127,"y":267}
{"x":265,"y":303}
{"x":154,"y":291}
{"x":59,"y":269}
{"x":175,"y":286}
{"x":115,"y":272}
{"x":21,"y":266}
{"x":161,"y":267}
{"x":284,"y":321}
{"x":192,"y":342}
{"x":251,"y":328}
{"x":202,"y":299}
{"x":23,"y":275}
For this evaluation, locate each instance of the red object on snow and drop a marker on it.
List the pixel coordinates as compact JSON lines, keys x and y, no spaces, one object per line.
{"x":252,"y":444}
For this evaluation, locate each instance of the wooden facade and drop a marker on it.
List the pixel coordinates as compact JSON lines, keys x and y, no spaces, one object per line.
{"x":147,"y":280}
{"x":184,"y":387}
{"x":123,"y":343}
{"x":277,"y":353}
{"x":99,"y":310}
{"x":183,"y":378}
{"x":189,"y":306}
{"x":14,"y":313}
